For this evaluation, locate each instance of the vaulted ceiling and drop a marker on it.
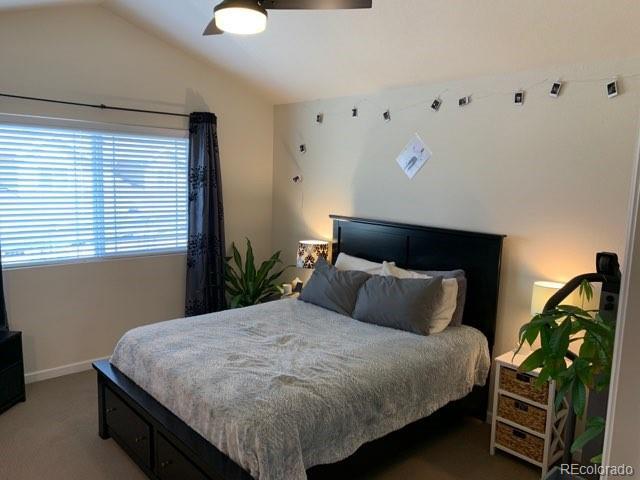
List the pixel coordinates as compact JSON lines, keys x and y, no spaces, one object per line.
{"x":308,"y":55}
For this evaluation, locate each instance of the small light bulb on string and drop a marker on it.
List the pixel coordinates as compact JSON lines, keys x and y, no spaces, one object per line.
{"x":387,"y":116}
{"x":320,"y":118}
{"x":354,"y":112}
{"x":436,"y":104}
{"x":303,"y":148}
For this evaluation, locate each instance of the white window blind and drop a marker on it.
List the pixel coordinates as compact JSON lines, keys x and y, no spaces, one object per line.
{"x":74,"y":194}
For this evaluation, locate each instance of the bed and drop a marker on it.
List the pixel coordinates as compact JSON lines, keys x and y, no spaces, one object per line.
{"x":281,"y":387}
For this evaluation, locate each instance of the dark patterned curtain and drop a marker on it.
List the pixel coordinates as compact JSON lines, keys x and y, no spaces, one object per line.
{"x":205,"y":250}
{"x":4,"y":322}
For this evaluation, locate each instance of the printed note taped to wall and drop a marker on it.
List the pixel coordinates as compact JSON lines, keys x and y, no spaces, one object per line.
{"x":414,"y":156}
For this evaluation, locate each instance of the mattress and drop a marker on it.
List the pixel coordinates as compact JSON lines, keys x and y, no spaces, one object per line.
{"x":287,"y":385}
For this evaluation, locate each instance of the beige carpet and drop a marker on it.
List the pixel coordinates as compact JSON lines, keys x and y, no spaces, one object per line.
{"x":54,"y":435}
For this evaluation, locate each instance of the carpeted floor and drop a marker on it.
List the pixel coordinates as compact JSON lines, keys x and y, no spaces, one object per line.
{"x":54,"y":436}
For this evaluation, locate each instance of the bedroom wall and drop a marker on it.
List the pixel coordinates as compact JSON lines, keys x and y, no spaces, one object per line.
{"x":553,"y":175}
{"x":74,"y":313}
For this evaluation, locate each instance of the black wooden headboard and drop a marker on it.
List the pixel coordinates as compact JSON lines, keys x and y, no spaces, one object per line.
{"x":428,"y":248}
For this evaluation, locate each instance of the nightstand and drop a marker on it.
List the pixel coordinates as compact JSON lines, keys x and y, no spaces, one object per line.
{"x":11,"y":370}
{"x":525,"y":422}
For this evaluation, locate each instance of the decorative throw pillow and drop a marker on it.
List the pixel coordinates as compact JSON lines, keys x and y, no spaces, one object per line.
{"x":446,"y":304}
{"x":349,"y":262}
{"x":333,"y":289}
{"x":461,"y":298}
{"x":403,"y":304}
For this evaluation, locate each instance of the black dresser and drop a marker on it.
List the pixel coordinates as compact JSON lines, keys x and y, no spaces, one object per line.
{"x":11,"y":370}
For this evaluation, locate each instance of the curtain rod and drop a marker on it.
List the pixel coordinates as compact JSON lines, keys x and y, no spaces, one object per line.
{"x":89,"y":122}
{"x":100,"y":106}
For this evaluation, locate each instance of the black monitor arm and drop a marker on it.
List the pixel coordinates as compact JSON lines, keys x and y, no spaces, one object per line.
{"x":558,"y":297}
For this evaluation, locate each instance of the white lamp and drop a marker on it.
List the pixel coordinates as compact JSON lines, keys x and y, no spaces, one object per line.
{"x":309,"y":251}
{"x":240,"y":16}
{"x":542,"y":292}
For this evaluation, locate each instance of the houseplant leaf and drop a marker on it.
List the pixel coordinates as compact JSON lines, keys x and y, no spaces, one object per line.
{"x":236,"y":257}
{"x":533,"y":361}
{"x":250,"y":266}
{"x":245,"y":285}
{"x":594,"y":427}
{"x":578,"y":397}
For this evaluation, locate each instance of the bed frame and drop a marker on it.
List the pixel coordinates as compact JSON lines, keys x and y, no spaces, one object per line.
{"x":166,"y":448}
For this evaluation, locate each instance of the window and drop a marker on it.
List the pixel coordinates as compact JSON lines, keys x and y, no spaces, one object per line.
{"x":75,"y":194}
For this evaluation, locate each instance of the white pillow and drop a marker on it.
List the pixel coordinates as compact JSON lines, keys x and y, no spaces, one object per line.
{"x":446,"y":306}
{"x":347,"y":262}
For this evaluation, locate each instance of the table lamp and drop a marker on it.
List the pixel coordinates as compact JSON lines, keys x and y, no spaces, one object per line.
{"x":309,"y":251}
{"x":543,"y":291}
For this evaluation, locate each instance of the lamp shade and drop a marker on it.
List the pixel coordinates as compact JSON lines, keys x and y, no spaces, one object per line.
{"x":309,"y":251}
{"x":542,"y":292}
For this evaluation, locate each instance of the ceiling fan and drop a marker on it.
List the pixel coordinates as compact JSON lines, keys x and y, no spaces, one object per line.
{"x":247,"y":17}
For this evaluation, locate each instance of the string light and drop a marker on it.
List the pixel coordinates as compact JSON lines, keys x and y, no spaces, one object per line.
{"x":303,"y":148}
{"x":555,"y":90}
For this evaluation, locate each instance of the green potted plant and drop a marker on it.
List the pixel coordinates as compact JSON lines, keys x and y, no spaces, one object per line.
{"x":558,"y":329}
{"x":247,"y":285}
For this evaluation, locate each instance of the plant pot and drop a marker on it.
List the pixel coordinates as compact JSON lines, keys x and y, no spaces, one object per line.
{"x":555,"y":474}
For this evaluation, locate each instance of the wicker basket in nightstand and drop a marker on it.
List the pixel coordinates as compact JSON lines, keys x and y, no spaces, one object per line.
{"x":525,"y":422}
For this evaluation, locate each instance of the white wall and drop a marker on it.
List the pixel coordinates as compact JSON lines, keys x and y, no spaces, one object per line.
{"x":73,"y":313}
{"x":553,"y":175}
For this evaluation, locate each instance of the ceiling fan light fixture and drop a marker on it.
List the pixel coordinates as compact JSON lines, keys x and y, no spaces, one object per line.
{"x":241,"y":17}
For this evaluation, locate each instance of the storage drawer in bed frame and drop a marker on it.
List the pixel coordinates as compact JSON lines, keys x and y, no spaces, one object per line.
{"x":128,"y":428}
{"x":173,"y":464}
{"x":162,"y":445}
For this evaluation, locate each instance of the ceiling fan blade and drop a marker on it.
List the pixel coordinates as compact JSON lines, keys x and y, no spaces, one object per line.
{"x":212,"y":29}
{"x":315,"y":4}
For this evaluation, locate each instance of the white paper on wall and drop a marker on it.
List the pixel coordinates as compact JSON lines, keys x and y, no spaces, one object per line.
{"x":414,"y":156}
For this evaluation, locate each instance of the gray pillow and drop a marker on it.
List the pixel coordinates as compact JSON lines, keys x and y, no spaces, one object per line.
{"x":333,"y":289}
{"x":403,"y":304}
{"x":460,"y":276}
